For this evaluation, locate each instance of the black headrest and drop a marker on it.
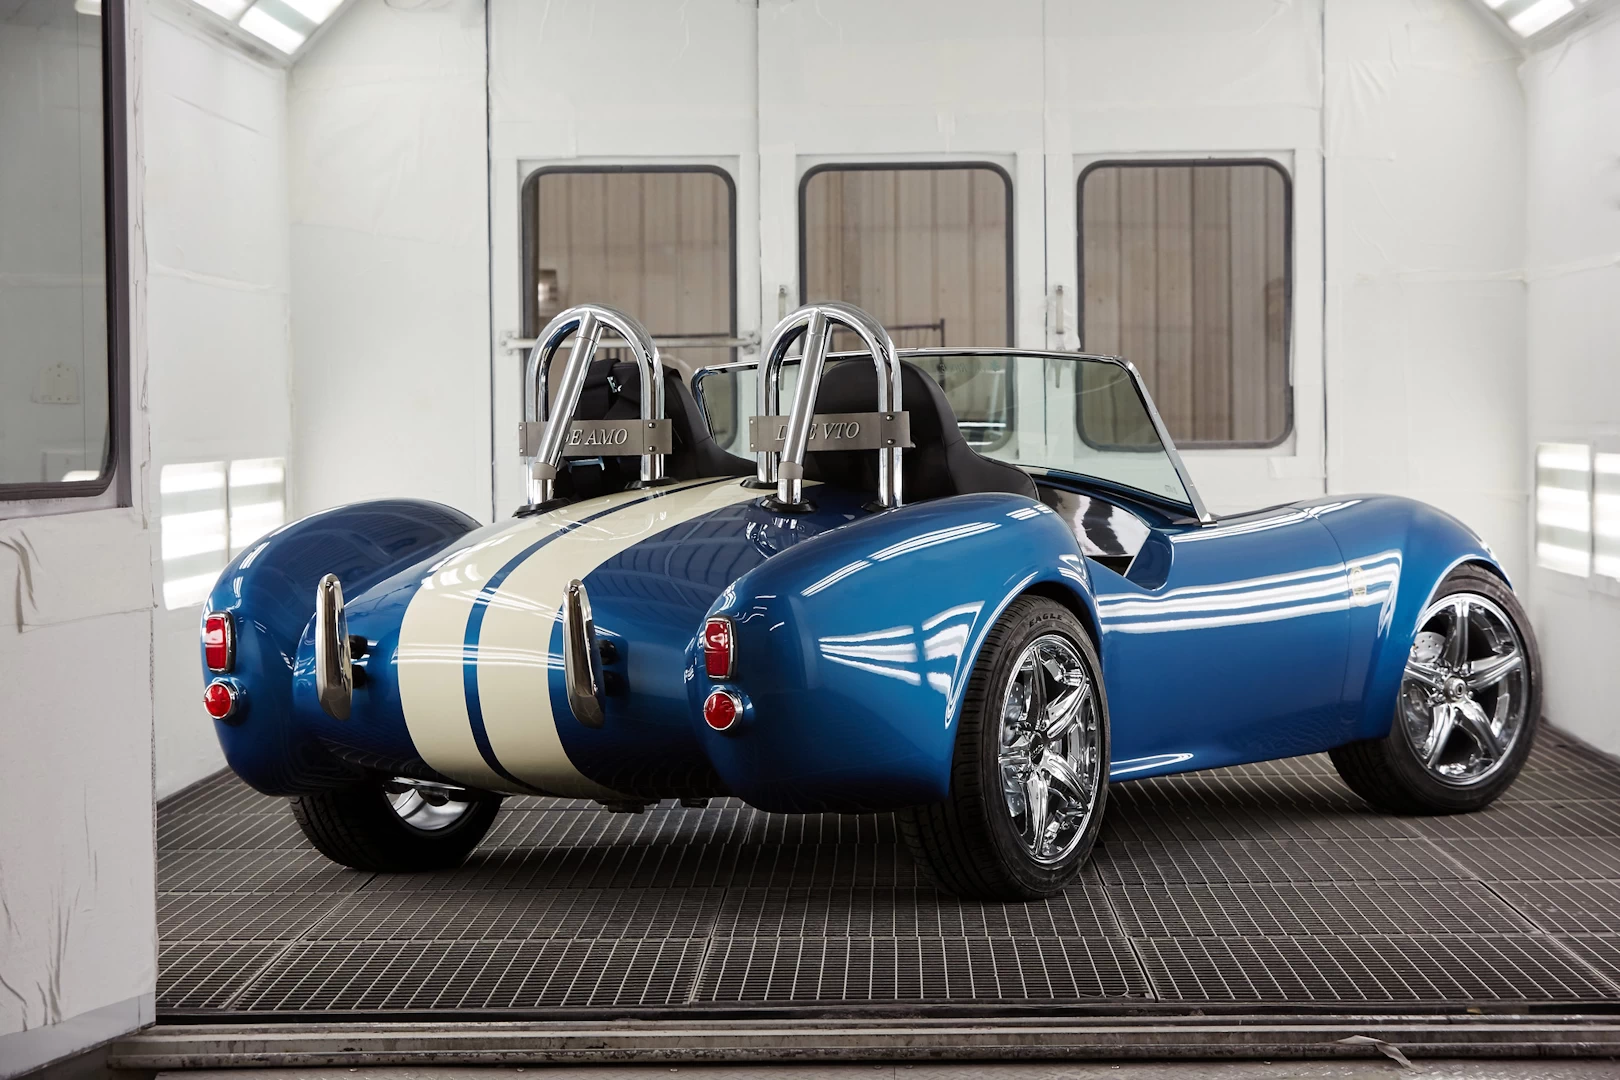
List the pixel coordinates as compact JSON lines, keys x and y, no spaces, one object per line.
{"x":940,"y":461}
{"x":612,"y":391}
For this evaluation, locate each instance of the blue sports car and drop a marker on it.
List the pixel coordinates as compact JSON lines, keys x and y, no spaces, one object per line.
{"x":978,"y":624}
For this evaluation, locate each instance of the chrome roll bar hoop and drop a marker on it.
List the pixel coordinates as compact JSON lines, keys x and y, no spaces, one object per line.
{"x":543,"y":456}
{"x":814,"y":323}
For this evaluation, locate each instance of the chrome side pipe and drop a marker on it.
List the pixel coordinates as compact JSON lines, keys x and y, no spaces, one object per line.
{"x":334,"y":660}
{"x":889,"y":426}
{"x":549,"y":434}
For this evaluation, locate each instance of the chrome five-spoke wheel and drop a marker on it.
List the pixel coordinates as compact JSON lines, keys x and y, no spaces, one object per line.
{"x":1466,"y":708}
{"x":1049,"y":758}
{"x":1029,"y":772}
{"x":1465,"y":691}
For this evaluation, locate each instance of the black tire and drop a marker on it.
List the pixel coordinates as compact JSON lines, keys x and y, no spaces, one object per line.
{"x":359,"y":828}
{"x":1389,"y":772}
{"x":968,"y":844}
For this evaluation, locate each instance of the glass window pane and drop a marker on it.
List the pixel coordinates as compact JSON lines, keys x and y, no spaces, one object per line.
{"x":54,"y":371}
{"x":926,"y":251}
{"x":1119,"y":443}
{"x":1184,"y":272}
{"x":659,"y":244}
{"x":1564,"y":507}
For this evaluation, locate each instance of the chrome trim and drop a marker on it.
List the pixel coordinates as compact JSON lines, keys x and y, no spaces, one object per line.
{"x":813,"y":323}
{"x":230,"y":641}
{"x":511,"y":342}
{"x":586,"y":322}
{"x":334,"y":665}
{"x":582,"y":659}
{"x":1200,"y":511}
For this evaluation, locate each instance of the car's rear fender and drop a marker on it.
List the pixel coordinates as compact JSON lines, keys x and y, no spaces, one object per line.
{"x":1397,"y":552}
{"x":854,"y":651}
{"x":269,"y":593}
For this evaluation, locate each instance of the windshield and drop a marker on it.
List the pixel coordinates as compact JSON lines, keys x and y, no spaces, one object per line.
{"x":1064,"y":413}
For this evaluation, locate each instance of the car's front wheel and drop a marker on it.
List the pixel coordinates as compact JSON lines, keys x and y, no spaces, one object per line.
{"x":1029,"y":779}
{"x":393,"y":826}
{"x":1467,"y":708}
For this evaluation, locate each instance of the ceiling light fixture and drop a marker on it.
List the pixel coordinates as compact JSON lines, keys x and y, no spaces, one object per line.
{"x":286,"y":26}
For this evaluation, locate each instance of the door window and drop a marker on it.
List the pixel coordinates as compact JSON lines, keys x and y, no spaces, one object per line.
{"x":1184,"y":271}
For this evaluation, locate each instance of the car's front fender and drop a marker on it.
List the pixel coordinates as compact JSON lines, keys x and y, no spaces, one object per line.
{"x":854,"y":650}
{"x":1397,"y":552}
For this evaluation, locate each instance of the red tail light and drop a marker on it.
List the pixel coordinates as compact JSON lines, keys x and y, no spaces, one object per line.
{"x":720,"y":648}
{"x":219,"y":641}
{"x":219,"y":699}
{"x":721,"y":709}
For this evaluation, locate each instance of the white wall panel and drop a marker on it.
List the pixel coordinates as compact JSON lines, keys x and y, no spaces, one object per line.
{"x":217,"y":233}
{"x":78,"y":948}
{"x":390,"y":259}
{"x":612,"y":82}
{"x":1573,"y":93}
{"x":1425,"y":241}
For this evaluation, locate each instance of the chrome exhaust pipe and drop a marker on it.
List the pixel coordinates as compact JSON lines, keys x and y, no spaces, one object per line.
{"x":582,"y":659}
{"x":334,"y":663}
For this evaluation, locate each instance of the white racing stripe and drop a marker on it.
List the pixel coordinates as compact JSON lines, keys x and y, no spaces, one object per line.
{"x":432,"y":637}
{"x":514,"y":683}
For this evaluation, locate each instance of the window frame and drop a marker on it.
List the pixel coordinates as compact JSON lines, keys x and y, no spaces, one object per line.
{"x":905,"y":166}
{"x":529,"y":228}
{"x":1289,"y":410}
{"x":112,"y":488}
{"x":813,"y":171}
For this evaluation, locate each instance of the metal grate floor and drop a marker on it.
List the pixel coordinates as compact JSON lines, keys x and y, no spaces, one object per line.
{"x":1266,"y":883}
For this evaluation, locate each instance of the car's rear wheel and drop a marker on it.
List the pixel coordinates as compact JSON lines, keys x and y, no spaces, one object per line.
{"x":1029,"y":778}
{"x":1467,"y":709}
{"x":391,"y":826}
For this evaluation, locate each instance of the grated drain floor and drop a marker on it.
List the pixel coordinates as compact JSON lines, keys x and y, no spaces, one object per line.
{"x":1261,"y":883}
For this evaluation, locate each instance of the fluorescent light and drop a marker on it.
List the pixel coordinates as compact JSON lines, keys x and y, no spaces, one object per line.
{"x":1572,"y":457}
{"x":87,"y":7}
{"x":258,"y":500}
{"x":1564,"y":507}
{"x":1606,"y":515}
{"x":211,"y":511}
{"x":1537,"y":17}
{"x":252,"y":472}
{"x":261,"y":24}
{"x":316,"y":11}
{"x":203,"y":476}
{"x":201,"y":532}
{"x":74,"y":476}
{"x":225,"y":9}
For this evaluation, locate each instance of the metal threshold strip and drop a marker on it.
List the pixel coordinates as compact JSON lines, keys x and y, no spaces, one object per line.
{"x":309,"y":1045}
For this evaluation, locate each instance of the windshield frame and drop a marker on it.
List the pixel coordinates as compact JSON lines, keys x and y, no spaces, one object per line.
{"x":1200,"y":511}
